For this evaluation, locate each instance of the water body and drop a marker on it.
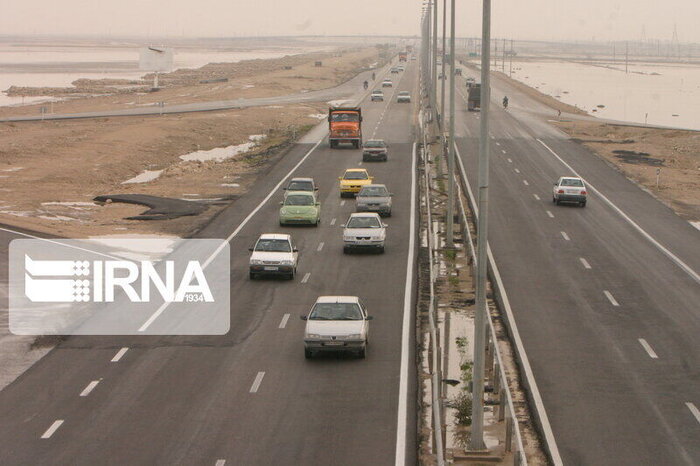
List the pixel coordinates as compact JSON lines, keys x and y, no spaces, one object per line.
{"x":660,"y":94}
{"x":59,"y":66}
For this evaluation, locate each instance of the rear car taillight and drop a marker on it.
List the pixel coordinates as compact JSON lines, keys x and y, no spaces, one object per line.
{"x":584,"y":192}
{"x":561,"y":191}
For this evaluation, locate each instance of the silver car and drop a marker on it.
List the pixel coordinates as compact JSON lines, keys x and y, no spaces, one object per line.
{"x":570,"y":189}
{"x":337,"y":324}
{"x":374,"y":198}
{"x":364,"y":231}
{"x":375,"y":150}
{"x":403,"y":97}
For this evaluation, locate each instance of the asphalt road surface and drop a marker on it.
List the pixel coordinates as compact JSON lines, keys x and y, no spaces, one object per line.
{"x":608,"y":312}
{"x":250,"y":397}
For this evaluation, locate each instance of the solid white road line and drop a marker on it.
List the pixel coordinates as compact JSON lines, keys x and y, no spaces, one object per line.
{"x":306,"y":277}
{"x":611,"y":298}
{"x":526,"y":183}
{"x":694,"y":410}
{"x":565,"y":236}
{"x":86,"y":391}
{"x":402,"y":417}
{"x":685,"y":267}
{"x":19,"y":233}
{"x":54,"y":427}
{"x":333,"y":222}
{"x":285,"y":318}
{"x":585,"y":263}
{"x":320,"y":246}
{"x":119,"y":354}
{"x":235,"y":232}
{"x":536,"y":197}
{"x":256,"y":383}
{"x":551,"y":215}
{"x":648,"y":349}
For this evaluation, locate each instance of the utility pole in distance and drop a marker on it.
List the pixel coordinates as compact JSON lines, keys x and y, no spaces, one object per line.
{"x":442,"y":81}
{"x":477,"y":434}
{"x":451,"y":137}
{"x":434,"y":64}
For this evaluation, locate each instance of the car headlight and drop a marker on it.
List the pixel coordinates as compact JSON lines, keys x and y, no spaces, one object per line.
{"x":354,"y":336}
{"x":287,"y":262}
{"x":347,"y":238}
{"x":313,"y":336}
{"x":256,"y":262}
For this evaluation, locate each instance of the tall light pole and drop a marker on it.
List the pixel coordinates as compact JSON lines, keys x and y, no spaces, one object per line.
{"x":434,"y":57}
{"x":451,"y":137}
{"x":442,"y":81}
{"x":477,"y":432}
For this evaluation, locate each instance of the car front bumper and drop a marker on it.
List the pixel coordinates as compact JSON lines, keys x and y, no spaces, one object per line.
{"x":299,"y":220}
{"x":379,"y":208}
{"x":403,"y":100}
{"x":364,"y":244}
{"x":339,"y":345}
{"x":272,"y":269}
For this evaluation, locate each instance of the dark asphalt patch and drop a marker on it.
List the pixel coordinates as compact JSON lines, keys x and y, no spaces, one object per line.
{"x":160,"y":208}
{"x":636,"y":158}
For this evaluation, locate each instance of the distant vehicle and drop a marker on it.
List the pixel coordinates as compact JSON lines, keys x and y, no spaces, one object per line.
{"x":403,"y":56}
{"x":300,"y":208}
{"x":474,"y":98}
{"x":273,"y":254}
{"x":375,"y":150}
{"x":413,"y":57}
{"x":470,"y":81}
{"x":374,"y":198}
{"x":300,"y":184}
{"x":345,"y":125}
{"x":387,"y":83}
{"x":337,"y":324}
{"x":353,"y":180}
{"x":364,"y":230}
{"x":458,"y":71}
{"x":441,"y":76}
{"x":395,"y":70}
{"x":401,"y":68}
{"x":570,"y":189}
{"x":377,"y":95}
{"x":403,"y":97}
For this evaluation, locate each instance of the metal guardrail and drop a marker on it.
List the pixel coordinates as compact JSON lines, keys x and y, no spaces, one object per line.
{"x":494,"y":365}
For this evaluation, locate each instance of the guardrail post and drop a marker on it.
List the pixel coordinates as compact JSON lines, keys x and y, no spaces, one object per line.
{"x":502,"y":404}
{"x":496,"y":377}
{"x":509,"y":431}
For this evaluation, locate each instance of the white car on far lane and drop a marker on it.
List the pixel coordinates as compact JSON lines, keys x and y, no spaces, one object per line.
{"x":570,"y":189}
{"x":273,"y":254}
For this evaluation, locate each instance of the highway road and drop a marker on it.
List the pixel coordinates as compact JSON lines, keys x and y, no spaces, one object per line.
{"x":250,"y":397}
{"x":606,"y":298}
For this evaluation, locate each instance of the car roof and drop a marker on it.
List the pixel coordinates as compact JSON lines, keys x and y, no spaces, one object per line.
{"x":374,"y":140}
{"x":337,"y":299}
{"x":275,"y":236}
{"x":403,"y":92}
{"x":364,"y":214}
{"x":571,"y":178}
{"x":300,"y":193}
{"x":356,"y":170}
{"x":301,"y":179}
{"x":377,"y":185}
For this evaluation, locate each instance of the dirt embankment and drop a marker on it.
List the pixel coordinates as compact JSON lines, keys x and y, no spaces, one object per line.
{"x":50,"y":171}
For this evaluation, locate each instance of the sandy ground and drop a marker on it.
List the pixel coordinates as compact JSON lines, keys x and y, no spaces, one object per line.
{"x":639,"y":152}
{"x":50,"y":171}
{"x":246,"y":79}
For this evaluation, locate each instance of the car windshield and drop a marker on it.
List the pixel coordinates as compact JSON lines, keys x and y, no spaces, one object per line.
{"x":377,"y":92}
{"x":374,"y":191}
{"x":273,"y":245}
{"x":375,"y":144}
{"x":387,"y":81}
{"x":299,"y":199}
{"x":403,"y":93}
{"x":571,"y":182}
{"x":363,"y":222}
{"x":345,"y":117}
{"x":300,"y":186}
{"x":336,"y":311}
{"x":356,"y":176}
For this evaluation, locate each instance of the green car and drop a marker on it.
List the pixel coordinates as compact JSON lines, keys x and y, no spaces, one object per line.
{"x":300,"y":208}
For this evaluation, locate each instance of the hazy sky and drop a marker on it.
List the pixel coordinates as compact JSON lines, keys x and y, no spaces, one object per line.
{"x":519,"y":19}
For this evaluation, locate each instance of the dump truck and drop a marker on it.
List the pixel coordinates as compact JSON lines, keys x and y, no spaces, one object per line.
{"x":474,"y":97}
{"x":345,"y":125}
{"x":403,"y":56}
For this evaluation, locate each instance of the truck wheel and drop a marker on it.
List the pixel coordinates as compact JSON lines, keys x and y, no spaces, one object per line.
{"x":362,"y":354}
{"x":252,"y":276}
{"x":356,"y":144}
{"x":332,"y":144}
{"x":307,"y":353}
{"x":583,"y":203}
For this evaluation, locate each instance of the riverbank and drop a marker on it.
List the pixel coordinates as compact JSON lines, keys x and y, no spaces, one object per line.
{"x":51,"y":171}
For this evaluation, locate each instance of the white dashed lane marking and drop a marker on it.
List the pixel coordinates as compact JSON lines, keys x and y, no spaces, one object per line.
{"x":333,"y":222}
{"x":536,"y":197}
{"x":54,"y":427}
{"x":320,"y":246}
{"x":342,"y":203}
{"x":306,"y":277}
{"x":585,"y":263}
{"x":256,"y":383}
{"x":90,"y":387}
{"x":565,"y":236}
{"x":510,"y":160}
{"x":648,"y":349}
{"x":119,"y":354}
{"x":551,"y":215}
{"x":517,"y":171}
{"x":611,"y":298}
{"x":526,"y":183}
{"x":285,"y":319}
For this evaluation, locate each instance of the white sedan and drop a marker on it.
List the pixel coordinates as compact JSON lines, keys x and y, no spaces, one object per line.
{"x":337,"y":323}
{"x":570,"y":189}
{"x":364,"y":230}
{"x":273,"y":254}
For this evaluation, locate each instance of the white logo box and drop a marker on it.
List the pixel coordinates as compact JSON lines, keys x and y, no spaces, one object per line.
{"x":128,"y":287}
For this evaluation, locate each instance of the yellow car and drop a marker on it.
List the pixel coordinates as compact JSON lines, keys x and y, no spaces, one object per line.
{"x":353,"y":180}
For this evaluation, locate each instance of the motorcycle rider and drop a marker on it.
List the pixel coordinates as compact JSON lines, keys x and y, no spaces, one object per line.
{"x":505,"y":102}
{"x":366,"y":84}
